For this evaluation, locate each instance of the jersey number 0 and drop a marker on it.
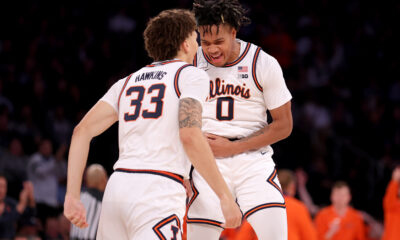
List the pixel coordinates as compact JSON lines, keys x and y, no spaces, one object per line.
{"x":137,"y":103}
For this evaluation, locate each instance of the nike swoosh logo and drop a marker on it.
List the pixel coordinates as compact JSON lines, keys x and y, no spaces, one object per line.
{"x":263,"y":153}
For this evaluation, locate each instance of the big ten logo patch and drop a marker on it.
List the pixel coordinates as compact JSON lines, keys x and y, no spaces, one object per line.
{"x":243,"y":75}
{"x":169,"y":228}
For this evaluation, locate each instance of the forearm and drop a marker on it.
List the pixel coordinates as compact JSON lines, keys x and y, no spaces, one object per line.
{"x":202,"y":158}
{"x":21,"y":207}
{"x":307,"y":200}
{"x":77,"y":158}
{"x":268,"y":135}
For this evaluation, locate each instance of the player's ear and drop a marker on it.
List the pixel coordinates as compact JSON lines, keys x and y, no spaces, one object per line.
{"x":233,"y":33}
{"x":185,"y":46}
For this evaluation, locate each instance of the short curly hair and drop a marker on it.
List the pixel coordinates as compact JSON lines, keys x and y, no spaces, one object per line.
{"x":216,"y":12}
{"x":166,"y":32}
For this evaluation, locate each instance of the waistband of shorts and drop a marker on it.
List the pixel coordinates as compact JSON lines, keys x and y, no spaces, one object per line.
{"x":172,"y":176}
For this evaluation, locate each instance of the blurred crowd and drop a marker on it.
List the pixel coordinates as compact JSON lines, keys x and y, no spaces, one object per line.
{"x":340,"y":61}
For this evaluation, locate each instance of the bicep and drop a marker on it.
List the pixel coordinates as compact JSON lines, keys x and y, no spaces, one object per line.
{"x":99,"y":118}
{"x":283,"y":113}
{"x":189,"y":113}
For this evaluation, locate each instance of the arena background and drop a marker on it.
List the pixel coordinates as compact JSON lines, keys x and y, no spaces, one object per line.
{"x":340,"y":61}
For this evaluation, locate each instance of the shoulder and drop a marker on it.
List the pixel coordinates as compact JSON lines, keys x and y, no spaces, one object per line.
{"x":10,"y":202}
{"x":36,"y":157}
{"x":293,"y":201}
{"x":355,"y":213}
{"x":325,"y":211}
{"x":266,"y":59}
{"x":193,"y":71}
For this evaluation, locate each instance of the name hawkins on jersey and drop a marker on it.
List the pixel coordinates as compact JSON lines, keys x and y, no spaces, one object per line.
{"x":150,"y":75}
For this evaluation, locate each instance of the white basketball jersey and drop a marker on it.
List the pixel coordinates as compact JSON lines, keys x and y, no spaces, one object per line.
{"x":147,"y":104}
{"x":241,"y":92}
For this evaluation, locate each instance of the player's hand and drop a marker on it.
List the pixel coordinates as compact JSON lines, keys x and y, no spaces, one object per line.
{"x":220,"y":146}
{"x":75,"y":212}
{"x":232,"y":213}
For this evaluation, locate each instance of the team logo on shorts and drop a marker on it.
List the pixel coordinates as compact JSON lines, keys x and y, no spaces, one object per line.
{"x":169,"y":228}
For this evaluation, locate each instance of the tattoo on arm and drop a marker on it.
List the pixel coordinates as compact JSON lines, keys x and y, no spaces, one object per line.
{"x":189,"y":113}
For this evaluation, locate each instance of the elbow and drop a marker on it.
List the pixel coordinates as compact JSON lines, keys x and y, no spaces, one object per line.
{"x":287,"y":130}
{"x":80,"y":131}
{"x":187,"y":136}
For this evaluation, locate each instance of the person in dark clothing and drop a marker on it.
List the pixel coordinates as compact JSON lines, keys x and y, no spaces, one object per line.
{"x":11,"y":211}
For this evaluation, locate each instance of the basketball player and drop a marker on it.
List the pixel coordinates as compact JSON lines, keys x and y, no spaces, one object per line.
{"x":159,"y":112}
{"x":245,"y":82}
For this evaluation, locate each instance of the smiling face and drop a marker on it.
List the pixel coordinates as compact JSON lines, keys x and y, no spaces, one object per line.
{"x":219,"y":44}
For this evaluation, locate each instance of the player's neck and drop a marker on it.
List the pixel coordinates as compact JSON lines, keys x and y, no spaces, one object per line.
{"x":235,"y":52}
{"x":184,"y":57}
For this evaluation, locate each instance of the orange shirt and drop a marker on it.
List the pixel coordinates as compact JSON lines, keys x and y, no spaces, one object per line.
{"x":245,"y":232}
{"x":391,"y":208}
{"x":300,"y":225}
{"x":351,"y":224}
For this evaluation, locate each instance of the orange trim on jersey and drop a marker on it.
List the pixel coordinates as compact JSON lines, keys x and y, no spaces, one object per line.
{"x":163,"y":63}
{"x":204,"y":221}
{"x":198,"y":220}
{"x":123,"y":88}
{"x":263,"y":206}
{"x":195,"y":194}
{"x":254,"y":69}
{"x":246,"y":50}
{"x":159,"y":225}
{"x":271,"y":181}
{"x":195,"y":60}
{"x":176,"y":84}
{"x":170,"y":175}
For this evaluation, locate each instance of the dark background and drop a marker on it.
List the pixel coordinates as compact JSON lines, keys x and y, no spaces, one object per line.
{"x":339,"y":58}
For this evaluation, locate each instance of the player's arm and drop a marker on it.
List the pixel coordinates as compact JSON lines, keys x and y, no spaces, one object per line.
{"x":202,"y":158}
{"x":280,"y":128}
{"x":96,"y":121}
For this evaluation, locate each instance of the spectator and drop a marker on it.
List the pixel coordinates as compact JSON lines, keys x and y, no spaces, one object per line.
{"x":391,"y":207}
{"x":45,"y":170}
{"x":11,"y":211}
{"x":96,"y":180}
{"x":13,"y":166}
{"x":340,"y":221}
{"x":300,"y":225}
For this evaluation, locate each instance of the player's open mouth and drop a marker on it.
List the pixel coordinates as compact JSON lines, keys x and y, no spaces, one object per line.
{"x":217,"y":58}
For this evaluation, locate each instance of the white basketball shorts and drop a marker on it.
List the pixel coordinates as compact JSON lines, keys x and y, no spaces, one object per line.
{"x":142,"y":204}
{"x":253,"y":181}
